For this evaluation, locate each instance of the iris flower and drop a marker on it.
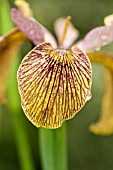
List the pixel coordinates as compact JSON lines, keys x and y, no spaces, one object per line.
{"x":54,"y":79}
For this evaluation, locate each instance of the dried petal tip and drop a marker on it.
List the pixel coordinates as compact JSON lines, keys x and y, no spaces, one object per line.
{"x":54,"y":84}
{"x":24,"y":7}
{"x":108,"y":20}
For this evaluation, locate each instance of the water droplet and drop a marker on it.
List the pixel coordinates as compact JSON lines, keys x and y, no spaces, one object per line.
{"x":19,"y":72}
{"x":104,"y":36}
{"x":33,"y":75}
{"x":87,"y":94}
{"x":31,"y":32}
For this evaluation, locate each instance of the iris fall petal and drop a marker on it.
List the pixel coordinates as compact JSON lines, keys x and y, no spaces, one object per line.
{"x":54,"y":84}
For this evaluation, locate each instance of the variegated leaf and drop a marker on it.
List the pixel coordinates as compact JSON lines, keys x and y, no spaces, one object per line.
{"x":54,"y":84}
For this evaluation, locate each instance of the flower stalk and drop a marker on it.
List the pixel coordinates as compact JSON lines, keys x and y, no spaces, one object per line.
{"x":20,"y":132}
{"x":6,"y":50}
{"x":53,"y":148}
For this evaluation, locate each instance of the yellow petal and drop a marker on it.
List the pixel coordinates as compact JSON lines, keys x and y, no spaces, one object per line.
{"x":102,"y":58}
{"x":24,"y":7}
{"x":108,"y":20}
{"x":9,"y":45}
{"x":54,"y":84}
{"x":104,"y":126}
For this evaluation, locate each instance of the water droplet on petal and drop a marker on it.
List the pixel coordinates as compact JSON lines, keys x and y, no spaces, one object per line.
{"x":88,"y":94}
{"x":104,"y":36}
{"x":19,"y":71}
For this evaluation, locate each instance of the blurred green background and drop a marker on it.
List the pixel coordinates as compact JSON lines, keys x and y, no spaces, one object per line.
{"x":85,"y":150}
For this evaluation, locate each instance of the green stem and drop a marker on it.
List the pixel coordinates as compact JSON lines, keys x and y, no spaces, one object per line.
{"x":53,"y":148}
{"x":0,"y":122}
{"x":5,"y":26}
{"x":21,"y":138}
{"x":22,"y":142}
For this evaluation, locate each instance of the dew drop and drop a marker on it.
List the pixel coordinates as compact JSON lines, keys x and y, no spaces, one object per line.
{"x":33,"y":75}
{"x":87,"y":94}
{"x":103,"y":37}
{"x":19,"y":72}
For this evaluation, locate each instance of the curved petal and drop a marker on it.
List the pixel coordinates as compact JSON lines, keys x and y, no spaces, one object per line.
{"x":71,"y":35}
{"x":32,"y":29}
{"x":96,"y":38}
{"x":9,"y":45}
{"x":103,"y":58}
{"x":104,"y":126}
{"x":54,"y":84}
{"x":48,"y":37}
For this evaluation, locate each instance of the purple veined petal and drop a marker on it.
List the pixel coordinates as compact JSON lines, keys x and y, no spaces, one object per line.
{"x":32,"y":29}
{"x":96,"y":38}
{"x":71,"y":35}
{"x":54,"y":84}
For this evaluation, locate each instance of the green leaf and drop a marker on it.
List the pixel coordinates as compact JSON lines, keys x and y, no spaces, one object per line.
{"x":5,"y":17}
{"x":21,"y":138}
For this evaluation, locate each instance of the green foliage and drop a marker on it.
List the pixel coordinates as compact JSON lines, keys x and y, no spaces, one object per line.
{"x":5,"y":17}
{"x":20,"y":131}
